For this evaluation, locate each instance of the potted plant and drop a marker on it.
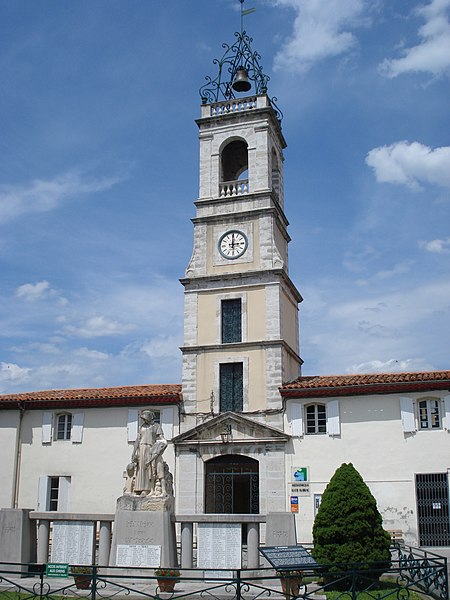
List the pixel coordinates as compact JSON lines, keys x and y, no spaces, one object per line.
{"x":167,"y":578}
{"x":82,"y":577}
{"x":290,"y":582}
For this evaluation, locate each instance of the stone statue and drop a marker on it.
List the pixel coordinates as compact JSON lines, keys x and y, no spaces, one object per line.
{"x":149,"y":475}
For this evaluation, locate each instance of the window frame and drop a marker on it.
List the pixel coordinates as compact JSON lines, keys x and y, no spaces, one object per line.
{"x":319,"y":423}
{"x":66,"y":429}
{"x":427,"y":414}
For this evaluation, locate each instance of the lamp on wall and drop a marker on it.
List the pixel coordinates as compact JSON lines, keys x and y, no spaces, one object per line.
{"x":225,"y":433}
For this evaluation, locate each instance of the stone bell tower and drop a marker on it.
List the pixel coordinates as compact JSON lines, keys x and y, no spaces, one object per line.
{"x":241,"y":308}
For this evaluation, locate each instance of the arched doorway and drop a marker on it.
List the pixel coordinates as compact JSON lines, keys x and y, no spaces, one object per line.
{"x":232,"y":485}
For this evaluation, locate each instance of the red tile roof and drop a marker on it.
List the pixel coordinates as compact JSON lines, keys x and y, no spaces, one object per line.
{"x":91,"y":397}
{"x":376,"y":383}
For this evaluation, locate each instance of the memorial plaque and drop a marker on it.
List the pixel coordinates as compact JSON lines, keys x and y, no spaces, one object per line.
{"x":288,"y":557}
{"x":72,"y":542}
{"x":137,"y":555}
{"x":219,"y":546}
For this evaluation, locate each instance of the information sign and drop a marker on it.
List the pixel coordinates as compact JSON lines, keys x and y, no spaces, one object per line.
{"x":300,"y":489}
{"x":288,"y":557}
{"x":57,"y":570}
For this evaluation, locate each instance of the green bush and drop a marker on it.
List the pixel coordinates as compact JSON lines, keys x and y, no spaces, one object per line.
{"x":348,"y":527}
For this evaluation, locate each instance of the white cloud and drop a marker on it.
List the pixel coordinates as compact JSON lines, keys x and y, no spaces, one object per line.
{"x":369,"y":332}
{"x":432,"y":54}
{"x":33,"y":291}
{"x":437,"y":246}
{"x":44,"y":195}
{"x":91,"y":354}
{"x":99,"y":326}
{"x":321,"y":30}
{"x":390,"y":366}
{"x":162,"y":346}
{"x":410,"y":164}
{"x":10,"y":372}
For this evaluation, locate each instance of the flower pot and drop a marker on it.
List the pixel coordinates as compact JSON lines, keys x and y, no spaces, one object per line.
{"x":291,"y":586}
{"x":82,"y":582}
{"x":166,"y":585}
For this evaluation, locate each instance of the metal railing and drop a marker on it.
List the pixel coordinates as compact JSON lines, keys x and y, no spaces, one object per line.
{"x":410,"y":570}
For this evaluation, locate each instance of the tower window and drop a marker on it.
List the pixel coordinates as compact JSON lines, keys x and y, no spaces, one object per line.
{"x":234,"y":160}
{"x":63,"y":426}
{"x":231,"y":387}
{"x":429,"y":414}
{"x":316,"y":419}
{"x":231,"y":321}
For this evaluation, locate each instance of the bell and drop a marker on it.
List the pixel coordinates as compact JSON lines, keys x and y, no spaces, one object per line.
{"x":241,"y":82}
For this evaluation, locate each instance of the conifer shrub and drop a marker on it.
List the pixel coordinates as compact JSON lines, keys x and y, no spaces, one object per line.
{"x":348,"y":527}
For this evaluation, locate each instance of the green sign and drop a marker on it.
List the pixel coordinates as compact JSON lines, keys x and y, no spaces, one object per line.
{"x":57,"y":570}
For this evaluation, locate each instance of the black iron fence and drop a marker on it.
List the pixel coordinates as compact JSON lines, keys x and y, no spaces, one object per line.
{"x":411,"y":571}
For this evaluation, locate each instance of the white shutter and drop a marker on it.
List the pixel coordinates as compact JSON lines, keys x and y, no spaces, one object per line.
{"x":333,"y":423}
{"x":43,"y":493}
{"x":63,"y":494}
{"x":447,"y":412}
{"x":166,"y":418}
{"x":47,"y":422}
{"x":76,"y":435}
{"x":407,"y":414}
{"x":296,"y":418}
{"x":132,"y":424}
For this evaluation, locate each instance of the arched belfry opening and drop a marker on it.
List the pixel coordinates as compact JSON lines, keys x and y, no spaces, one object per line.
{"x":232,"y":485}
{"x":234,"y":168}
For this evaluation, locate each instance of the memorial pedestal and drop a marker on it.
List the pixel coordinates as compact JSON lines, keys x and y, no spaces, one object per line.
{"x":144,"y":532}
{"x":18,"y":538}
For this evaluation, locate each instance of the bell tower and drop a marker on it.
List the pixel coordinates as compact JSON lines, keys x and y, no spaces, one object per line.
{"x":241,"y":308}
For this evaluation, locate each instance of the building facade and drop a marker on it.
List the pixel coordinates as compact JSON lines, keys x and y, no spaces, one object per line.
{"x":247,"y":433}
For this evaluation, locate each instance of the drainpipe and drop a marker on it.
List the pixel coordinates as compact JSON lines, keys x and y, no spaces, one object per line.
{"x":17,"y":458}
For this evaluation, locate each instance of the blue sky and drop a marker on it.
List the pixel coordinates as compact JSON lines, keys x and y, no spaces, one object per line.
{"x":99,"y":171}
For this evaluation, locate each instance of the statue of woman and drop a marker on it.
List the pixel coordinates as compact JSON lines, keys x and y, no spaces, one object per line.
{"x":147,"y":457}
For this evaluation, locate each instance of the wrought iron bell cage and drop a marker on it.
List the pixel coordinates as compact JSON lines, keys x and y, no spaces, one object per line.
{"x":237,"y":58}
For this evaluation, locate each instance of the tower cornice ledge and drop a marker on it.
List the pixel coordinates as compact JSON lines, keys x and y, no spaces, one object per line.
{"x":273,"y":208}
{"x":242,"y":346}
{"x":246,"y":279}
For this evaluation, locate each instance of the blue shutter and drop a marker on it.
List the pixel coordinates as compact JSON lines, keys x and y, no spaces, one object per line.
{"x":231,"y":387}
{"x":231,"y":321}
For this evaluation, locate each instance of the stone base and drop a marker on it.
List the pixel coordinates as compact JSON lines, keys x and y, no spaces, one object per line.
{"x":17,"y":538}
{"x":147,"y":503}
{"x":145,"y":521}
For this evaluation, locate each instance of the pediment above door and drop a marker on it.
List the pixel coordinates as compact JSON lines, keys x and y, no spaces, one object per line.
{"x":231,"y":428}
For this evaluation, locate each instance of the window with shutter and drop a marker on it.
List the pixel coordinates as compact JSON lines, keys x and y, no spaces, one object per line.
{"x":316,"y":419}
{"x":231,"y":387}
{"x":63,"y":426}
{"x":231,"y":321}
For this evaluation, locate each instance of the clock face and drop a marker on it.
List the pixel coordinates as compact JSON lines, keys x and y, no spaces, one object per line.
{"x":233,"y":244}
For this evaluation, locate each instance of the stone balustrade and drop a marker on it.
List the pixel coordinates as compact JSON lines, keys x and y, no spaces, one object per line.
{"x":233,"y":188}
{"x":104,"y":526}
{"x":232,"y":106}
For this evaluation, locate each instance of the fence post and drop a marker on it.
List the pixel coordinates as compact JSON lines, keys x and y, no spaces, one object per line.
{"x":41,"y":583}
{"x":238,"y":585}
{"x":353,"y":583}
{"x":94,"y":582}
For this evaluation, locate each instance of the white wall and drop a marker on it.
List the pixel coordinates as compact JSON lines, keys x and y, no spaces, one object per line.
{"x":372,"y":438}
{"x":9,"y":424}
{"x":95,"y":465}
